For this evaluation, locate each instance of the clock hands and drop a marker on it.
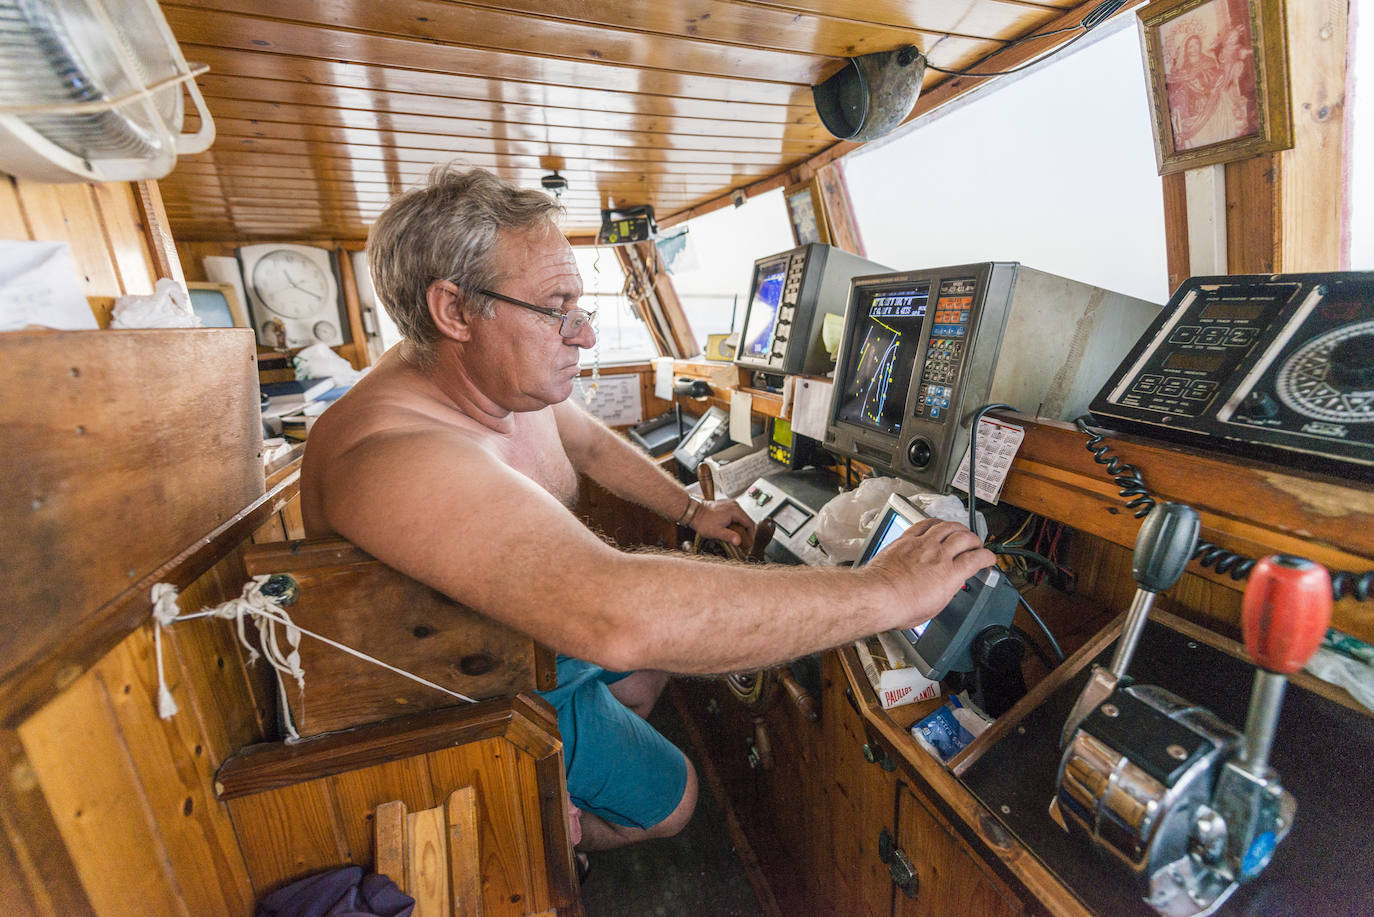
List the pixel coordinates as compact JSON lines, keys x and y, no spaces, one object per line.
{"x":293,"y":283}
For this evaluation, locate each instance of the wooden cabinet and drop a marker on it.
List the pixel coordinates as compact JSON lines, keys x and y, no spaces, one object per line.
{"x":948,"y":880}
{"x":863,"y":795}
{"x":817,"y":820}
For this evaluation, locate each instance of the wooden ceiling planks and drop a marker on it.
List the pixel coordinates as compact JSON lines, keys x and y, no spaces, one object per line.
{"x":326,"y":108}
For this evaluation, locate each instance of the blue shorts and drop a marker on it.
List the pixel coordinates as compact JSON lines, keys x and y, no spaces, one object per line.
{"x":618,"y":766}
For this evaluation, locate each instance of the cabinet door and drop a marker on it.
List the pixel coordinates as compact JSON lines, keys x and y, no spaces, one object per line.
{"x":949,"y":879}
{"x":862,"y":805}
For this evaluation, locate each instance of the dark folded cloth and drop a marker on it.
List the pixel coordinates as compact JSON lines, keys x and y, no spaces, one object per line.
{"x":343,"y":892}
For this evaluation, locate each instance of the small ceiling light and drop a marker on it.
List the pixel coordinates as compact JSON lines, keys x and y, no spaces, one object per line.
{"x":555,"y":183}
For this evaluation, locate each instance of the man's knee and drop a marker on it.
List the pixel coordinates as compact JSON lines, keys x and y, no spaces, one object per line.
{"x":680,"y":816}
{"x":640,"y":690}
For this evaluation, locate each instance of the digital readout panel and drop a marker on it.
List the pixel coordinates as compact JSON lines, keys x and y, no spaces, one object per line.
{"x":881,"y":356}
{"x":1196,"y":353}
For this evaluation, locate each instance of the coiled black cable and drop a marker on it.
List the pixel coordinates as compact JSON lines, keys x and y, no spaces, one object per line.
{"x":1344,"y":584}
{"x":1126,"y":475}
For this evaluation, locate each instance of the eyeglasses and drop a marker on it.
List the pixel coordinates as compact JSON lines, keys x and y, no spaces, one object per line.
{"x":570,"y":324}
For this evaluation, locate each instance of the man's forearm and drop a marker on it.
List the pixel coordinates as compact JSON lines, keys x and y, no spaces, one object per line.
{"x":628,"y":473}
{"x":693,"y":616}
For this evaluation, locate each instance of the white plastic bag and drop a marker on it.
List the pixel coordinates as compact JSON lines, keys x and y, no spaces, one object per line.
{"x":319,"y":362}
{"x":844,"y":524}
{"x":168,"y":306}
{"x":1351,"y":674}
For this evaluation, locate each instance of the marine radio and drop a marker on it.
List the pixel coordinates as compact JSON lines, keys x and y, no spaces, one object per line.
{"x":1270,"y":366}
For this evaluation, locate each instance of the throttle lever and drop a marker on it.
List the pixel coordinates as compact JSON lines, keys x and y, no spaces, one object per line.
{"x":1163,"y":548}
{"x":1284,"y":615}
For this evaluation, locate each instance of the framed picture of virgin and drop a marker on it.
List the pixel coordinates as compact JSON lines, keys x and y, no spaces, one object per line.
{"x":1218,"y":80}
{"x":806,"y":211}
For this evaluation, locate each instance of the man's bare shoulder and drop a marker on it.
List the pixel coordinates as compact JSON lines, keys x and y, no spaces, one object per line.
{"x":389,"y":426}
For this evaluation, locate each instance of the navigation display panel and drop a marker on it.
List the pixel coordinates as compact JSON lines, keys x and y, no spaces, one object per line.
{"x":763,"y":309}
{"x":880,"y":356}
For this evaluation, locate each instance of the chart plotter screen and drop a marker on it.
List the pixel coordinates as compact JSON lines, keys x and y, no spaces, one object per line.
{"x":881,"y":356}
{"x":763,"y":309}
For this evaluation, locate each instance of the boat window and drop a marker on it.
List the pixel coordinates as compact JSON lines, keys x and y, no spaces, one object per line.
{"x":1054,"y":168}
{"x":621,"y":336}
{"x":712,"y":281}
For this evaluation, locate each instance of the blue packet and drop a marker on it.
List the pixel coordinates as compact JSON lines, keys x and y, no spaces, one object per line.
{"x":942,"y":732}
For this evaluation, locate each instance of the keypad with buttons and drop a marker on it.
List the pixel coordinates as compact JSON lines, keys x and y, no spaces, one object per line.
{"x":945,"y":350}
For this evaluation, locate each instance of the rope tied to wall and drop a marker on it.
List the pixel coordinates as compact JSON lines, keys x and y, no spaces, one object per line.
{"x":268,"y":616}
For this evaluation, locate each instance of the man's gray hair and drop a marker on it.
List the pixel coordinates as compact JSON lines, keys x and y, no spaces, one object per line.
{"x":446,"y":230}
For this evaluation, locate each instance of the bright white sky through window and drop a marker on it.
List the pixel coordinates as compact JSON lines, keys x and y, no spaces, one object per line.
{"x":1054,"y":169}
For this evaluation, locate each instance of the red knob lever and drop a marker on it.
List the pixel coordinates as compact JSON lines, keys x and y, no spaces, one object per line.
{"x":1285,"y":612}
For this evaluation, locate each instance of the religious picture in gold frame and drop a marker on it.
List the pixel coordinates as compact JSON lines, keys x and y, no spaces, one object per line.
{"x":806,"y":212}
{"x":1218,"y":75}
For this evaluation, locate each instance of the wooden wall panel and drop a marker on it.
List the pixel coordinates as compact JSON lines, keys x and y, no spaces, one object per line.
{"x":358,"y":794}
{"x":489,"y":768}
{"x":1251,"y":212}
{"x":201,"y":851}
{"x":36,"y":873}
{"x":108,"y":446}
{"x":103,"y":811}
{"x":289,"y":832}
{"x":129,"y":797}
{"x":208,"y":673}
{"x":123,"y":231}
{"x":101,"y":222}
{"x":1312,"y":186}
{"x":1175,"y":228}
{"x":839,"y":210}
{"x":288,"y":829}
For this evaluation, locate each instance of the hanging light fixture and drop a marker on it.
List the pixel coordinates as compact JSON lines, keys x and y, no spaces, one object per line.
{"x":554,"y":183}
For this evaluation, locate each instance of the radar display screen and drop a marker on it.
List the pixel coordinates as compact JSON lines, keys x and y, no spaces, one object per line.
{"x":881,"y":355}
{"x":763,"y":309}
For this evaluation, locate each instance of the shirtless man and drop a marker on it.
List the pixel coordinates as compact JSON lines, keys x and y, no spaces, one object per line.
{"x":455,"y":460}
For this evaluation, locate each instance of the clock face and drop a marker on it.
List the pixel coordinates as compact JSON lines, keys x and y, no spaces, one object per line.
{"x":290,"y":284}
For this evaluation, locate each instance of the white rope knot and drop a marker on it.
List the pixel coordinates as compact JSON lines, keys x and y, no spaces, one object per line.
{"x":165,"y":610}
{"x":267,"y":614}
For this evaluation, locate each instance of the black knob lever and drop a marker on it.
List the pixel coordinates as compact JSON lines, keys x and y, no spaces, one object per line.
{"x":1162,"y":550}
{"x":1163,"y":547}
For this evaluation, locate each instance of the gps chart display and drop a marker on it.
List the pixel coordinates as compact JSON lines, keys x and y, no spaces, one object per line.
{"x":763,"y":311}
{"x":881,"y":355}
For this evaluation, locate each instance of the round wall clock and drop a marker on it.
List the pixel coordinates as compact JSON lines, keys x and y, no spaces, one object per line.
{"x":294,"y":284}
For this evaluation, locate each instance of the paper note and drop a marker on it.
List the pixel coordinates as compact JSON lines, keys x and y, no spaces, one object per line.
{"x":731,"y":478}
{"x":663,"y":378}
{"x":832,"y":327}
{"x":221,"y":269}
{"x":38,"y":287}
{"x":614,"y":399}
{"x":741,"y":416}
{"x":997,"y":444}
{"x":811,"y":408}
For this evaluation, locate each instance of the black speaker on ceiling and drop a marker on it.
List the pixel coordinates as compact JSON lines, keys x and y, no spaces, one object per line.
{"x":871,"y":94}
